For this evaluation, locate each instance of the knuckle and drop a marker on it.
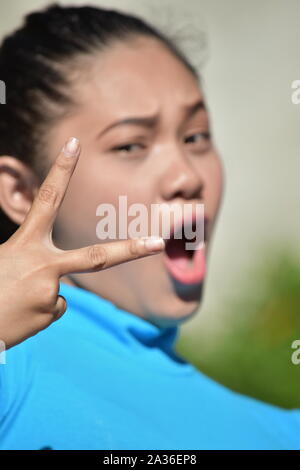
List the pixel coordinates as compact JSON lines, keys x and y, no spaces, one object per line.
{"x":97,"y":256}
{"x":133,"y":247}
{"x":48,"y":195}
{"x":42,"y":322}
{"x":64,"y":163}
{"x":61,"y":308}
{"x":49,"y":296}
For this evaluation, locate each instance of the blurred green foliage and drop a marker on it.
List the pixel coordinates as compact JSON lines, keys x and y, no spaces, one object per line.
{"x":252,"y":353}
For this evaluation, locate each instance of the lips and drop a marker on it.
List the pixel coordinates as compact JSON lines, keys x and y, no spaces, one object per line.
{"x":186,"y":266}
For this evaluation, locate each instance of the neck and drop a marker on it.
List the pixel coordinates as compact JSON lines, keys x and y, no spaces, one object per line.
{"x":133,"y":333}
{"x":156,"y":321}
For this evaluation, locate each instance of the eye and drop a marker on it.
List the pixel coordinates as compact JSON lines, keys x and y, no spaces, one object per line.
{"x":199,"y":142}
{"x":200,"y":137}
{"x":126,"y":147}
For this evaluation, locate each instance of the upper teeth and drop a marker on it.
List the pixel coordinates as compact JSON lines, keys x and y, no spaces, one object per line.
{"x":183,"y":228}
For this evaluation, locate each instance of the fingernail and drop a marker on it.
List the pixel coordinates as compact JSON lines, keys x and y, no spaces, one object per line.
{"x":154,"y":243}
{"x":71,"y":147}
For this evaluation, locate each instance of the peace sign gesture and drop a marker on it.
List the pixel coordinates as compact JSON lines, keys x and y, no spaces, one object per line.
{"x":31,"y":265}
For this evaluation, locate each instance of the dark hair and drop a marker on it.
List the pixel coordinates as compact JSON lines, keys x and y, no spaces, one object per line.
{"x":34,"y":64}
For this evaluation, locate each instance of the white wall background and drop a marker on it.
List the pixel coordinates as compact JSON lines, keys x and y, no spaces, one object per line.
{"x":254,"y":55}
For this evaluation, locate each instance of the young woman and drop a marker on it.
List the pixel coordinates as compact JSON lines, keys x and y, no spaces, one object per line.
{"x":106,"y":376}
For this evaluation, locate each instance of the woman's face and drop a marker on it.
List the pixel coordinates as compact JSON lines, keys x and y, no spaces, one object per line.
{"x":168,"y":160}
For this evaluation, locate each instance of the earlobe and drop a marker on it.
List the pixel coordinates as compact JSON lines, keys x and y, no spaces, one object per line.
{"x":17,"y":188}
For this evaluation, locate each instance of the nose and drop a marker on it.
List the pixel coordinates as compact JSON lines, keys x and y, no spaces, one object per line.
{"x":181,"y":179}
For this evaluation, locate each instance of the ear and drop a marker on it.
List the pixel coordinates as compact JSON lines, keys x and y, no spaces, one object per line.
{"x":18,"y":187}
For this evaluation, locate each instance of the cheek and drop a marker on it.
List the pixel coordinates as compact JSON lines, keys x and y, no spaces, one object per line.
{"x":214,"y":183}
{"x":107,"y":187}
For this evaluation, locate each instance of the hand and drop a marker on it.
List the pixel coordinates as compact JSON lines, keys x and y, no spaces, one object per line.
{"x":31,"y":265}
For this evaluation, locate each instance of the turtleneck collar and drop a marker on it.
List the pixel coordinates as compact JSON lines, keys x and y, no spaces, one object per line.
{"x":133,"y":332}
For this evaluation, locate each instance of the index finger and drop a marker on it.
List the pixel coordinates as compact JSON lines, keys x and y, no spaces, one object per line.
{"x":105,"y":255}
{"x":51,"y":193}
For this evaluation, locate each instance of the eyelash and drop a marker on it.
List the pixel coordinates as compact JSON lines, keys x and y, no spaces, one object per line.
{"x":205,"y":135}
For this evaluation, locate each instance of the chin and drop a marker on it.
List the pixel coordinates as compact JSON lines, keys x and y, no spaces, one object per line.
{"x":173,"y":312}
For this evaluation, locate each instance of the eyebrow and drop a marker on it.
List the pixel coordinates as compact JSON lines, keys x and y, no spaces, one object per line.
{"x":150,"y":121}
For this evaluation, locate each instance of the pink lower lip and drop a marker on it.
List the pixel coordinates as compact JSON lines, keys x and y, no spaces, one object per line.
{"x":184,"y":273}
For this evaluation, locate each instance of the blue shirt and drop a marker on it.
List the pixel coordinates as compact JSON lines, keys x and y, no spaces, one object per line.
{"x":103,"y":378}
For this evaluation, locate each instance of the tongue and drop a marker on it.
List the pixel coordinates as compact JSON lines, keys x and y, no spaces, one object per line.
{"x":178,"y":255}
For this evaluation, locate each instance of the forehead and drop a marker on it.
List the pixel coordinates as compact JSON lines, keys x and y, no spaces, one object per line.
{"x":139,"y":75}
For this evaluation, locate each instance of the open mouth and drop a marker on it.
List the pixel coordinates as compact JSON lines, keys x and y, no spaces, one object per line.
{"x":185,"y":265}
